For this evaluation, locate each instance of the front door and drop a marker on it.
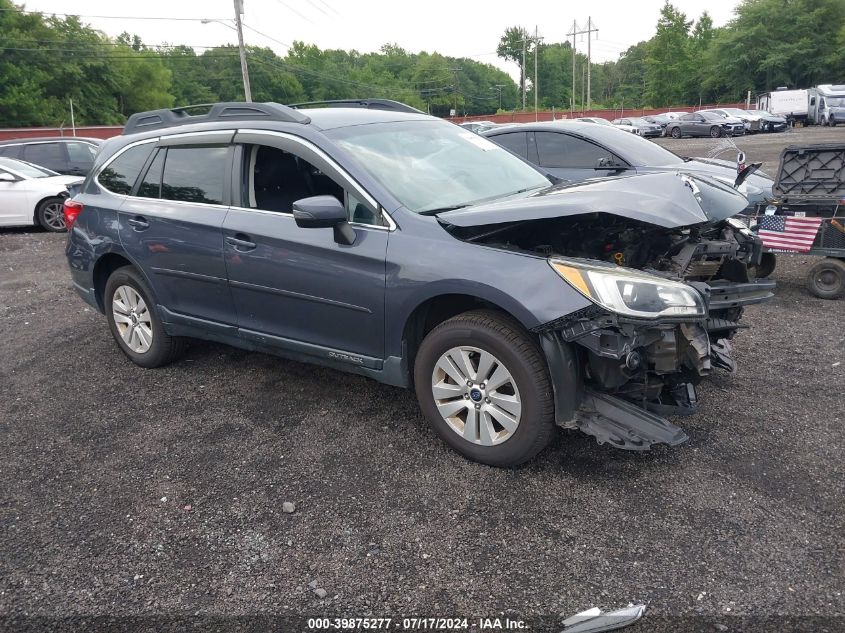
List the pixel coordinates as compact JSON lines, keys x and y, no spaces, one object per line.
{"x":172,"y":227}
{"x":573,"y":158}
{"x":296,"y":288}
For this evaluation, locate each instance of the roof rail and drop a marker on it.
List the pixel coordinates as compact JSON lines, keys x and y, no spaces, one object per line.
{"x":229,"y":111}
{"x":370,"y":104}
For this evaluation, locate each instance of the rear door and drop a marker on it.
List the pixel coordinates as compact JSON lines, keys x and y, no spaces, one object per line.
{"x":17,"y":200}
{"x":50,"y":155}
{"x":171,"y":225}
{"x":296,"y":288}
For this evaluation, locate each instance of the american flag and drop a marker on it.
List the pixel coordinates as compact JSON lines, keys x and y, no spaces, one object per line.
{"x":788,"y":233}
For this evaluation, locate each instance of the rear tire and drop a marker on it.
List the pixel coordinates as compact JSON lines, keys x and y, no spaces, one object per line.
{"x":50,"y":215}
{"x":826,"y":279}
{"x":467,"y":417}
{"x":134,"y":322}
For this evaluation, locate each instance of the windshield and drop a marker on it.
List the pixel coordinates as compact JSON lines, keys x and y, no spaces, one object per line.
{"x":26,"y":169}
{"x":637,"y":121}
{"x":432,"y":165}
{"x":711,"y":116}
{"x":836,"y":102}
{"x":735,"y":112}
{"x":632,"y":148}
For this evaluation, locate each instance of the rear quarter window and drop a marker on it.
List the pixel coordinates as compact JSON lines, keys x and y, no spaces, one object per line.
{"x":119,"y":175}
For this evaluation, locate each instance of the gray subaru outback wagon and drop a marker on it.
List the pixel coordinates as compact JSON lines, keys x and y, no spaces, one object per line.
{"x":388,"y":243}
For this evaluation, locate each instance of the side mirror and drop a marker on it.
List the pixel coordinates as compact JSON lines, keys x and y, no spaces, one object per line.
{"x":745,"y":172}
{"x":7,"y":177}
{"x":323,"y":212}
{"x":607,"y":162}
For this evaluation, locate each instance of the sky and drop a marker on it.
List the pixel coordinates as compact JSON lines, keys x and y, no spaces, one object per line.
{"x":460,"y":29}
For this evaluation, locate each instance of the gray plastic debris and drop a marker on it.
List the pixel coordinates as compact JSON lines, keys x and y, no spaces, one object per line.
{"x":595,"y":620}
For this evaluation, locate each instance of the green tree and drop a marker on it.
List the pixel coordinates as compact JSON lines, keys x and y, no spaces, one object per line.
{"x":668,"y":63}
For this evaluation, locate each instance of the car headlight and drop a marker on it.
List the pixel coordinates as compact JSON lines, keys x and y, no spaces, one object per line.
{"x":629,"y":292}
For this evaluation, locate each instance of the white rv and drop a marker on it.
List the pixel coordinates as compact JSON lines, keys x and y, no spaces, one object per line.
{"x":826,"y":104}
{"x":790,"y":104}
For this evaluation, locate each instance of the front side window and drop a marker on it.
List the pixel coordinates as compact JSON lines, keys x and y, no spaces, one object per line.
{"x":119,"y":175}
{"x":194,"y":174}
{"x":563,"y":150}
{"x":434,"y":165}
{"x":274,"y":179}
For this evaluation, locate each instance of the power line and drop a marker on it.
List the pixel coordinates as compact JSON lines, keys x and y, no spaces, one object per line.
{"x":109,"y":17}
{"x":292,"y":10}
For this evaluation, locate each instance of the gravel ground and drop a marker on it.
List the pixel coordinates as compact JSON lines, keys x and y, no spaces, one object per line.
{"x":159,"y":493}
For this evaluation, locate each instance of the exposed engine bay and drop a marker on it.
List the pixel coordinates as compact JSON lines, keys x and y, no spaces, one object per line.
{"x":653,"y":365}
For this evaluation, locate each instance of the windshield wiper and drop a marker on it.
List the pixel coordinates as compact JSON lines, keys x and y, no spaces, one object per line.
{"x":442,"y":209}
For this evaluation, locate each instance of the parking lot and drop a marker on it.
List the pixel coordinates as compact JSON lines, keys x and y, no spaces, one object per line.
{"x":133,"y":492}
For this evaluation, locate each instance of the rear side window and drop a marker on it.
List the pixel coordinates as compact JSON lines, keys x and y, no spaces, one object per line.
{"x":562,"y":150}
{"x":119,"y":176}
{"x":50,"y":155}
{"x":10,"y":151}
{"x":150,"y":186}
{"x":515,"y":141}
{"x":194,"y":174}
{"x":81,"y":153}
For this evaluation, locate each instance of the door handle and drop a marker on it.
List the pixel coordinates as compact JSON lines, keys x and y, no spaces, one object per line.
{"x":240,"y":242}
{"x":138,"y":223}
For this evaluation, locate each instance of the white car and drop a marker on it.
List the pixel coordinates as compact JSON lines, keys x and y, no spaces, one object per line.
{"x":593,"y":119}
{"x":30,"y":194}
{"x":624,"y":124}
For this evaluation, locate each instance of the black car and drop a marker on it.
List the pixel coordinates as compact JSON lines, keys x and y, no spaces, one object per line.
{"x":72,"y":156}
{"x":704,"y":124}
{"x":404,"y":248}
{"x":575,"y":151}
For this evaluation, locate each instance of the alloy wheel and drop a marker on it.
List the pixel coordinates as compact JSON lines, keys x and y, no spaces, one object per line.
{"x":53,"y":215}
{"x":132,"y":318}
{"x":476,"y":395}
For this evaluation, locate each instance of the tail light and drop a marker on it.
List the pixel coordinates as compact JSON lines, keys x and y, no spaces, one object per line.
{"x":71,"y":211}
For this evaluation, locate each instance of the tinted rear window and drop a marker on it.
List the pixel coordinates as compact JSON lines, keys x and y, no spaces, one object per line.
{"x":194,"y":174}
{"x":120,"y":175}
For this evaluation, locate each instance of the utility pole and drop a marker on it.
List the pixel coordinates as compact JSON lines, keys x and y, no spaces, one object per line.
{"x":73,"y":120}
{"x":499,"y":88}
{"x":590,"y":31}
{"x":239,"y":10}
{"x":537,"y":39}
{"x":524,"y":44}
{"x":456,"y":71}
{"x":573,"y":33}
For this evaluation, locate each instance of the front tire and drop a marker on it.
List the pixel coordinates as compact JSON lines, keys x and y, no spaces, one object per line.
{"x":676,"y":132}
{"x":715,"y":131}
{"x":483,"y":384}
{"x":134,"y":322}
{"x":50,"y":215}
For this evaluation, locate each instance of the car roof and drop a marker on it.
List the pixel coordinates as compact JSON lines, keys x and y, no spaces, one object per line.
{"x":51,"y":139}
{"x":331,"y":118}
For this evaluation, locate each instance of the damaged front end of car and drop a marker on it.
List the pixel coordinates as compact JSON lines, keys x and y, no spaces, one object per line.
{"x":667,"y":282}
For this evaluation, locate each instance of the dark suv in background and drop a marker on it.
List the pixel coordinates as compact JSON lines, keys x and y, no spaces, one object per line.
{"x":72,"y":156}
{"x":404,"y":248}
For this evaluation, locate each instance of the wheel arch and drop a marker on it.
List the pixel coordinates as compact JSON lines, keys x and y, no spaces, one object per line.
{"x":436,"y":309}
{"x":104,"y":267}
{"x":44,"y":199}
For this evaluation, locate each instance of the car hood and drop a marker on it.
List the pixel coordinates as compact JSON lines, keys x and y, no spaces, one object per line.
{"x":669,"y":200}
{"x":757,"y":188}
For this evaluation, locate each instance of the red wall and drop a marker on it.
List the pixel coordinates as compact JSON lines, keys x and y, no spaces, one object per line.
{"x":529,"y":117}
{"x":95,"y":131}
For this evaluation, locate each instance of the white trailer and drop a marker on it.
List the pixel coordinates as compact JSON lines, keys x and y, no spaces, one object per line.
{"x":790,"y":104}
{"x":826,"y":105}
